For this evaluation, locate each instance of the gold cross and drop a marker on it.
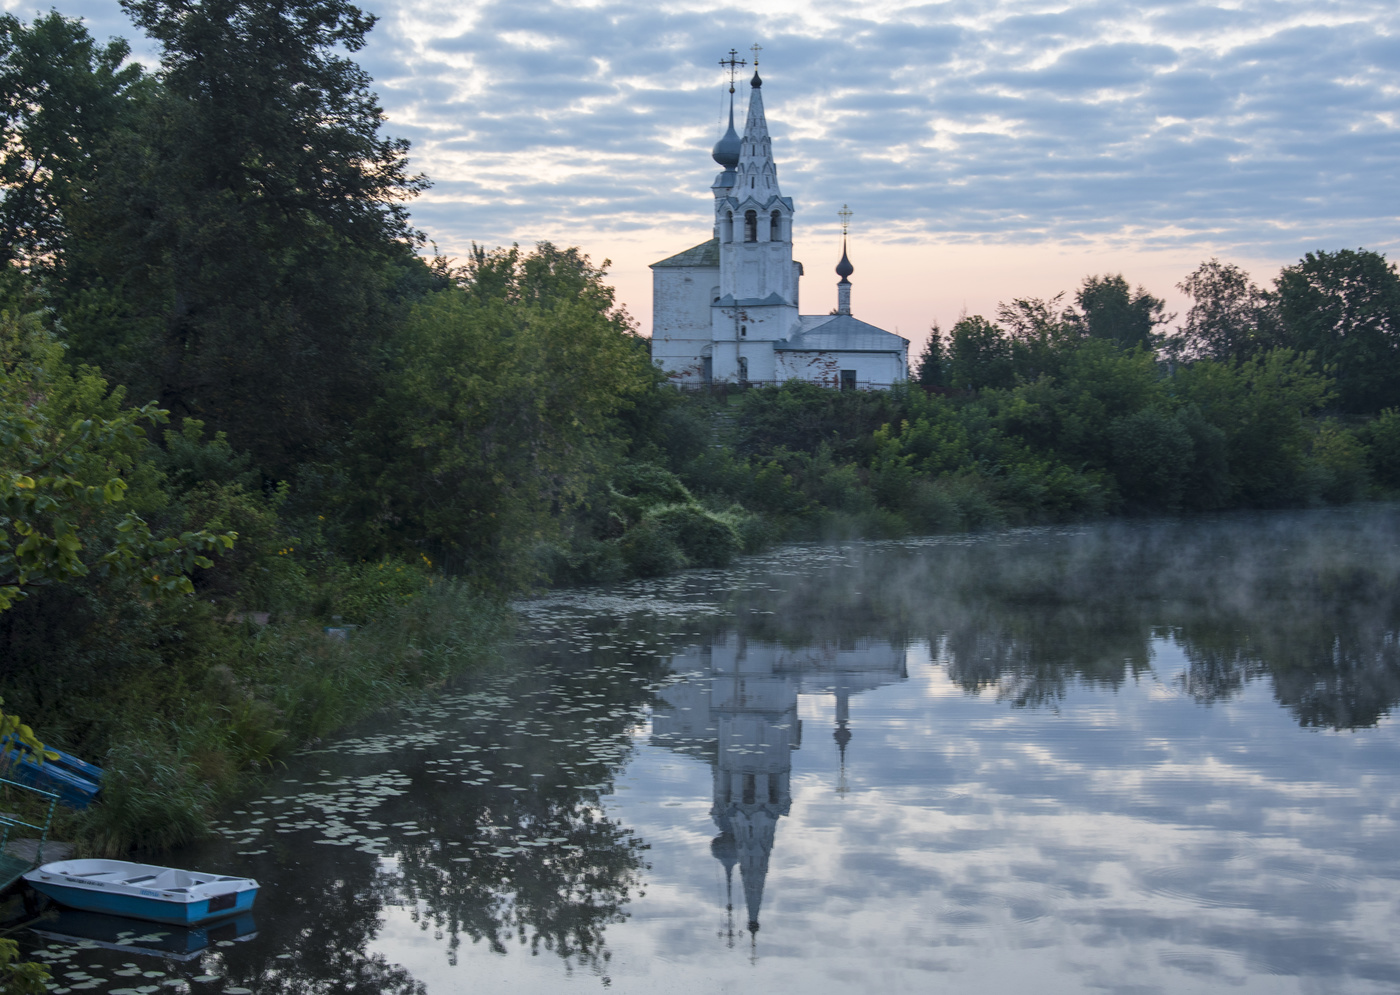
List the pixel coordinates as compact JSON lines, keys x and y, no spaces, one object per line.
{"x":755,"y":48}
{"x":845,"y":215}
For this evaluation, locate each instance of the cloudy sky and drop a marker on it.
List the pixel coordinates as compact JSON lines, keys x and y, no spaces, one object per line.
{"x":988,"y":149}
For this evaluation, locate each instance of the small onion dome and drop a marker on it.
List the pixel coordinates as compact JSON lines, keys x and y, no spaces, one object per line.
{"x":755,"y":82}
{"x":727,"y":149}
{"x":844,"y":267}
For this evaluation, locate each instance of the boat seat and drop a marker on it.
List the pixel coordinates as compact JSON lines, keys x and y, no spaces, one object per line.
{"x":143,"y":877}
{"x":90,"y":874}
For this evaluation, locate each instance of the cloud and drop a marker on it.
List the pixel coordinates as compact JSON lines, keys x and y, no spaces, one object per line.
{"x":1264,"y":128}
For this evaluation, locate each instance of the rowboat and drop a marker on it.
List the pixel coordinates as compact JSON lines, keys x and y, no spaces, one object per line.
{"x":143,"y":891}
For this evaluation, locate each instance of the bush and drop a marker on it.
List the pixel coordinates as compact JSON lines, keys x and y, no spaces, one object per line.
{"x":1382,"y":439}
{"x":1338,"y":463}
{"x":705,"y":539}
{"x":649,"y":550}
{"x":1152,"y":452}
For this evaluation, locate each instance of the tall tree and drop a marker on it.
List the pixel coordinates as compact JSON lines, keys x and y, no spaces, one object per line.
{"x":929,"y":367}
{"x":1344,"y":308}
{"x":60,"y":95}
{"x":1110,"y":309}
{"x":1230,"y":317}
{"x":250,"y":238}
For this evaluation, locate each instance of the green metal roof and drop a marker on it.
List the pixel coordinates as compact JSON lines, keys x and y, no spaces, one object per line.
{"x":704,"y":254}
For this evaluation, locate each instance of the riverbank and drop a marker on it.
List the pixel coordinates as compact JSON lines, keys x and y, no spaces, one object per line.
{"x":235,"y":698}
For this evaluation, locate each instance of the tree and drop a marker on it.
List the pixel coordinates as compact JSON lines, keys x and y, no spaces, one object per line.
{"x":61,"y":94}
{"x":65,"y":458}
{"x":928,"y":369}
{"x":1108,"y":309}
{"x":249,"y":247}
{"x":1344,"y":308}
{"x":979,"y":355}
{"x":501,"y":412}
{"x":1230,"y":318}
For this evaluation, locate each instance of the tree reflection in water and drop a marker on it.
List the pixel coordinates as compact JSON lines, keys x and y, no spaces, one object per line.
{"x":1310,"y":600}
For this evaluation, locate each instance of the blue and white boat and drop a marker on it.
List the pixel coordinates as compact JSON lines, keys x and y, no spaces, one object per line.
{"x":143,"y":891}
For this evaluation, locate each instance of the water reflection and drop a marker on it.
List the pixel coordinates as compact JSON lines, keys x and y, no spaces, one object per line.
{"x":736,"y":707}
{"x":1060,"y":759}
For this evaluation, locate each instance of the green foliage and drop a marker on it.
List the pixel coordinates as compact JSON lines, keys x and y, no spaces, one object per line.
{"x":152,"y":798}
{"x":979,"y":356}
{"x":67,"y":447}
{"x":1261,"y":406}
{"x":705,"y":539}
{"x":1152,"y":455}
{"x":929,"y":369}
{"x":500,"y":415}
{"x":1382,"y":440}
{"x":1230,"y":318}
{"x":61,"y":95}
{"x":1338,"y":461}
{"x":18,"y":977}
{"x":1344,"y":308}
{"x":1109,"y":310}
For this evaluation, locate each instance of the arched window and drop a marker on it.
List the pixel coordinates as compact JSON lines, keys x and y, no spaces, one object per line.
{"x":775,"y":227}
{"x":726,"y":230}
{"x":750,"y":226}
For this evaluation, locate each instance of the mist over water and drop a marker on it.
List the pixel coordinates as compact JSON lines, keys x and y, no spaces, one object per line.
{"x":1146,"y":756}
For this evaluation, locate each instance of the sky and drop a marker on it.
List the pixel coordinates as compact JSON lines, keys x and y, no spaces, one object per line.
{"x":988,"y":150}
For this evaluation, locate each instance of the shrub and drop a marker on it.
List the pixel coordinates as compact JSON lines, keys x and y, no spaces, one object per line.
{"x":705,"y":539}
{"x":649,"y":550}
{"x":1382,"y":438}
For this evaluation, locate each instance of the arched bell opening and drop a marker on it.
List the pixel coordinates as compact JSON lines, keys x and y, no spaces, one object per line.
{"x":750,"y":226}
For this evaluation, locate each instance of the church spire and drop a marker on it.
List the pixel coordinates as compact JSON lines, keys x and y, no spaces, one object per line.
{"x":758,"y":173}
{"x":844,"y":269}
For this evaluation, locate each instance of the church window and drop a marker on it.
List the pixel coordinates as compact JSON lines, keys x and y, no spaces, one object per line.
{"x":743,"y":368}
{"x":775,"y":227}
{"x":750,"y":226}
{"x":848,"y":379}
{"x":749,"y":789}
{"x":772,"y":791}
{"x":727,"y":229}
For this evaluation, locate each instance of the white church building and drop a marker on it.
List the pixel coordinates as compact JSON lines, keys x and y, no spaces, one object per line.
{"x":726,"y":310}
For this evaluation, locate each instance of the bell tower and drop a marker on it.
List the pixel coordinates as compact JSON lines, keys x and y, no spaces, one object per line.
{"x":758,"y":278}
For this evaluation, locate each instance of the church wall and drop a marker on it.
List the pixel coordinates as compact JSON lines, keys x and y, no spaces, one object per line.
{"x":680,"y":335}
{"x":873,"y":369}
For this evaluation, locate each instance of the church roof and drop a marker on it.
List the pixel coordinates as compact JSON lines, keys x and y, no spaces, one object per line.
{"x":704,"y":254}
{"x":841,"y":333}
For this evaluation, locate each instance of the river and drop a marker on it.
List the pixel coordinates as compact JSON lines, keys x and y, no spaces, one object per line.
{"x":1137,"y":757}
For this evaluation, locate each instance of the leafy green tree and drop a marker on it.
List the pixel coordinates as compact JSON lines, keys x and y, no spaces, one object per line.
{"x":1344,"y":308}
{"x":69,"y":453}
{"x":501,"y":414}
{"x":1262,"y":406}
{"x":1229,"y":318}
{"x":1109,"y":309}
{"x":979,"y":355}
{"x":247,"y":250}
{"x":61,"y":94}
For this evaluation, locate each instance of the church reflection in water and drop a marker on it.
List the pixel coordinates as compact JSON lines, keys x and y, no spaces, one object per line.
{"x":736,"y":708}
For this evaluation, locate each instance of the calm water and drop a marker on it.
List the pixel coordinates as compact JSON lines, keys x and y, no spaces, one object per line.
{"x":1146,"y":758}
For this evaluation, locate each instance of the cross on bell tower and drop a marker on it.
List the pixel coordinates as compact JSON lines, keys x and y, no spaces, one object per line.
{"x":844,"y":268}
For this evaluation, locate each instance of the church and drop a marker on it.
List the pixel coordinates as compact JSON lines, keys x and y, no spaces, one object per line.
{"x":727,"y":310}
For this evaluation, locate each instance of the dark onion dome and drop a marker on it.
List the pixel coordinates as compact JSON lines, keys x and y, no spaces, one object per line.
{"x":844,"y":267}
{"x":727,"y":149}
{"x":755,"y":82}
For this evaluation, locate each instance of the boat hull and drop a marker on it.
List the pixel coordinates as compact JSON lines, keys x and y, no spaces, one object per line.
{"x":142,"y":907}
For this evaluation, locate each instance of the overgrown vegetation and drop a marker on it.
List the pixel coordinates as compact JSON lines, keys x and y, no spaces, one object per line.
{"x":265,"y":468}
